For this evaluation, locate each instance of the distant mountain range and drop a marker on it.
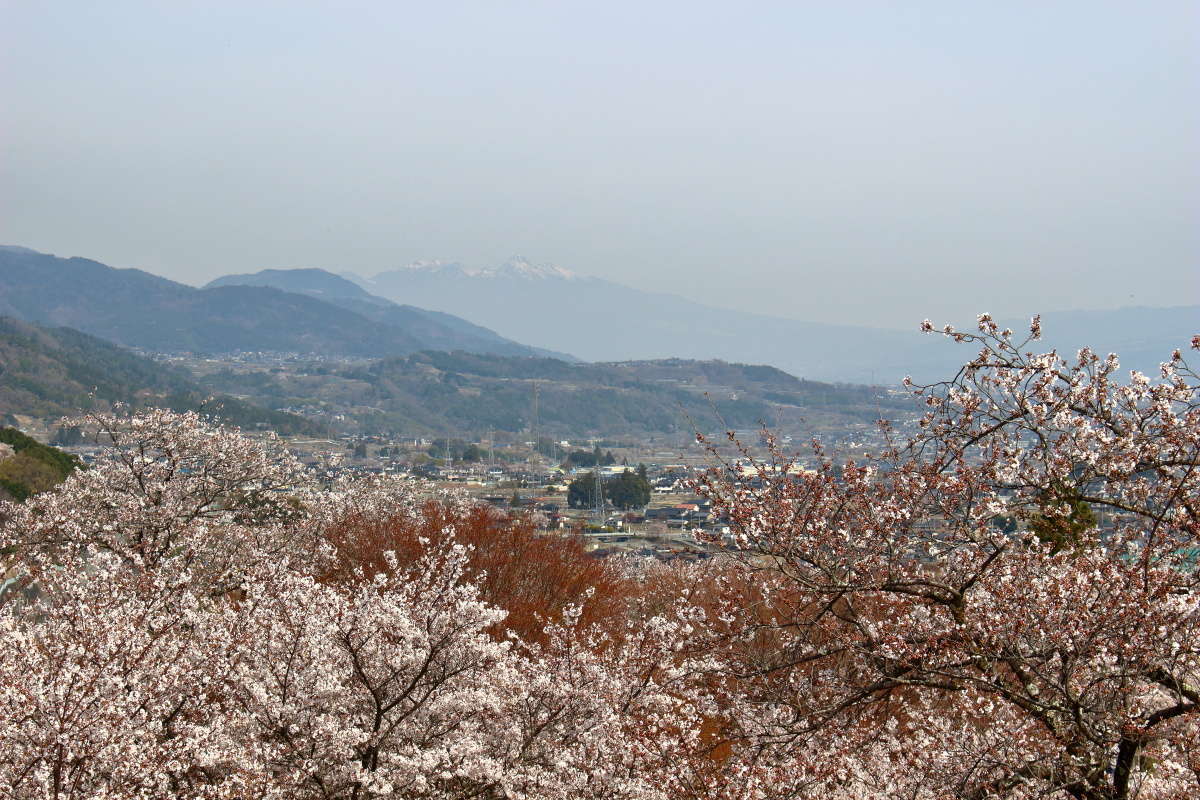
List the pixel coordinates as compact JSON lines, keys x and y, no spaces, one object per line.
{"x":599,"y":320}
{"x":516,"y":309}
{"x":61,"y":372}
{"x":435,"y":330}
{"x":138,"y":309}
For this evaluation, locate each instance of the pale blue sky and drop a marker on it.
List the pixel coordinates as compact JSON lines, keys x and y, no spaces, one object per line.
{"x":864,"y":162}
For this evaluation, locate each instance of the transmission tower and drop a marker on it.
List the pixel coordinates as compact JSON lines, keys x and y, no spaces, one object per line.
{"x":599,"y":493}
{"x":599,"y":496}
{"x":536,"y":441}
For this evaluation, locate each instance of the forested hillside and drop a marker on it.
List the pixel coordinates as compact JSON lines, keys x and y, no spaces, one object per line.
{"x":436,"y":392}
{"x":59,"y":372}
{"x":28,"y":466}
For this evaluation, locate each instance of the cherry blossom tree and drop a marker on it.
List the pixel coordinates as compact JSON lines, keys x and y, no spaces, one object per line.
{"x":116,"y":637}
{"x":169,"y":488}
{"x":1005,"y":605}
{"x":386,"y":686}
{"x":180,"y":623}
{"x":436,"y":697}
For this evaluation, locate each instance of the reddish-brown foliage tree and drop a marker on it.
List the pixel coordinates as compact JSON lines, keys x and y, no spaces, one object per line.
{"x":531,"y":575}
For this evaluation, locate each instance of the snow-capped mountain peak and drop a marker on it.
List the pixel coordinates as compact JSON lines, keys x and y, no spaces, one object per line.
{"x":521,"y":267}
{"x":436,"y":265}
{"x":517,"y":267}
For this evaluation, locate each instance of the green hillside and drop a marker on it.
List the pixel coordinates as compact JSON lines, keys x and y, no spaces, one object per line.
{"x":48,"y":373}
{"x":31,"y":467}
{"x":438,"y":392}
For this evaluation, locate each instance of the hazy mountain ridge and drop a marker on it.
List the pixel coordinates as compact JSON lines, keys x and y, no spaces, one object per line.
{"x":318,"y":283}
{"x":318,"y":312}
{"x":599,"y":320}
{"x":433,"y":329}
{"x":138,"y":309}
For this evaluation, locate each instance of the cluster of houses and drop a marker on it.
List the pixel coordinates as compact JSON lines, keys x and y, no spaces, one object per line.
{"x":533,"y":488}
{"x":695,"y":513}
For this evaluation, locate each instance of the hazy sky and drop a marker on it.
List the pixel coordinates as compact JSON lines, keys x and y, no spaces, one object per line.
{"x":859,"y":162}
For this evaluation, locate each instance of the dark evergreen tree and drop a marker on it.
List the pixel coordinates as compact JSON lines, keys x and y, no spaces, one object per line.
{"x":582,"y":491}
{"x":627,"y":490}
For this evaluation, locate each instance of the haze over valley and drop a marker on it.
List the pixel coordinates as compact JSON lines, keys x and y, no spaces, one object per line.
{"x":517,"y":308}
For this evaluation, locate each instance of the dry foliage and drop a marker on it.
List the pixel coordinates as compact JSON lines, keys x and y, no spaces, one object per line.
{"x":532,"y":575}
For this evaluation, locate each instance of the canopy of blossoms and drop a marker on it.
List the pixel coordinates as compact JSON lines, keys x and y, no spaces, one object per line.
{"x":1005,"y":603}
